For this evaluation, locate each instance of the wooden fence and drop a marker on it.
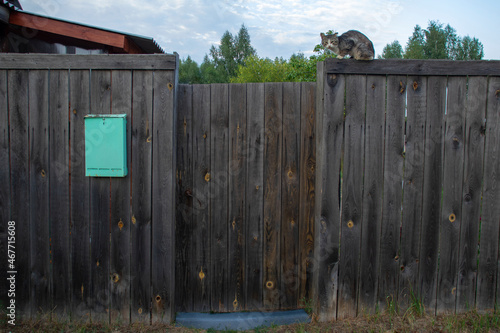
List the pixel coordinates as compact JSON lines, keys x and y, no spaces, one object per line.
{"x":374,"y":184}
{"x":245,"y":216}
{"x":88,"y":248}
{"x":417,"y":146}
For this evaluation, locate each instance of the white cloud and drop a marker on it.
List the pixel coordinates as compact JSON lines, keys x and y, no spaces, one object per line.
{"x":277,"y":27}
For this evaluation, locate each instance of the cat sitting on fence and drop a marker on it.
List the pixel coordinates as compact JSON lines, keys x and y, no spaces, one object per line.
{"x":352,"y":43}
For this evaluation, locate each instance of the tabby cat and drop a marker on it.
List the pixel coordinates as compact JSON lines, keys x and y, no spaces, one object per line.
{"x":352,"y":43}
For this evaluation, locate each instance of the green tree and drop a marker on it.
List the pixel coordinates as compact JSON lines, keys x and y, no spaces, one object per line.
{"x":261,"y":70}
{"x":210,"y":73}
{"x":439,"y":42}
{"x":189,"y":72}
{"x":393,"y":50}
{"x":231,"y":53}
{"x":415,"y":46}
{"x":470,"y":49}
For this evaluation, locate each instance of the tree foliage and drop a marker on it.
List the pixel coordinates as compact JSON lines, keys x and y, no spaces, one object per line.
{"x":393,"y":50}
{"x":437,"y":42}
{"x":222,"y":62}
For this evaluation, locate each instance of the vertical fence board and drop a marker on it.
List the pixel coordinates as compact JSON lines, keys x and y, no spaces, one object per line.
{"x":5,"y":197}
{"x":59,"y":192}
{"x":163,"y":210}
{"x":330,"y":132}
{"x":307,"y":190}
{"x":121,"y":103}
{"x":219,"y":196}
{"x":412,"y":188}
{"x":200,"y":270}
{"x":372,"y":197}
{"x":140,"y":173}
{"x":237,"y":197}
{"x":352,"y":195}
{"x":19,"y":185}
{"x":39,"y":192}
{"x":255,"y":197}
{"x":488,"y":246}
{"x":451,"y":217}
{"x":80,"y":199}
{"x":100,"y":103}
{"x":473,"y":177}
{"x":433,"y":186}
{"x":272,"y":192}
{"x":290,"y":189}
{"x":393,"y":192}
{"x":184,"y":206}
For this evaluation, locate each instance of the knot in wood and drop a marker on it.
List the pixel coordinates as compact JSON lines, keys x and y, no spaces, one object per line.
{"x":402,"y":88}
{"x":120,"y":224}
{"x":170,"y":86}
{"x":158,"y":298}
{"x":115,"y":277}
{"x":452,"y":218}
{"x":269,"y":284}
{"x":350,"y":224}
{"x":415,"y":85}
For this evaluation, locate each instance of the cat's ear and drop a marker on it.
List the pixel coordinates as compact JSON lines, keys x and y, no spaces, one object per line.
{"x":335,"y":34}
{"x":322,"y":35}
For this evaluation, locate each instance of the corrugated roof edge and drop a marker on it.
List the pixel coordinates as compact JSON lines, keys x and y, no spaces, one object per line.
{"x":13,"y":4}
{"x":148,"y":44}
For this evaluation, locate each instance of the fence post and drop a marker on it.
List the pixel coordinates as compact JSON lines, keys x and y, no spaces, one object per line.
{"x":163,"y":206}
{"x":329,"y":127}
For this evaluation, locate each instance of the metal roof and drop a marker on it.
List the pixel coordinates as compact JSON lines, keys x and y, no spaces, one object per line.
{"x":12,"y":3}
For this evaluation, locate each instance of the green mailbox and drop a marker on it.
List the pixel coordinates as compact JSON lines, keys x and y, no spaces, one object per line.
{"x":106,"y":145}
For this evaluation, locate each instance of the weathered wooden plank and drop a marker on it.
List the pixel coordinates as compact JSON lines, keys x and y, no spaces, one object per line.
{"x":100,"y":103}
{"x":413,"y":67}
{"x":371,"y":220}
{"x":219,"y":182}
{"x":237,"y":190}
{"x":394,"y":153}
{"x":254,"y":197}
{"x":140,"y":173}
{"x":451,"y":216}
{"x":330,"y":90}
{"x":272,"y":192}
{"x":5,"y":197}
{"x":39,"y":192}
{"x":163,"y":218}
{"x":290,"y":191}
{"x":488,"y":245}
{"x":184,"y":202}
{"x":307,"y":190}
{"x":416,"y":91}
{"x":473,"y":177}
{"x":95,"y":61}
{"x":80,"y":199}
{"x":433,"y":187}
{"x":121,"y":103}
{"x":200,"y":274}
{"x":352,"y":195}
{"x":59,"y":193}
{"x":19,"y":185}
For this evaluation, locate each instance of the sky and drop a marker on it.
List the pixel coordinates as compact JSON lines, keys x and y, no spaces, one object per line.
{"x":277,"y":28}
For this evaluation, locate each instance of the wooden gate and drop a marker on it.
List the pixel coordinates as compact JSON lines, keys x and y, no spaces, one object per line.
{"x":245,"y":189}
